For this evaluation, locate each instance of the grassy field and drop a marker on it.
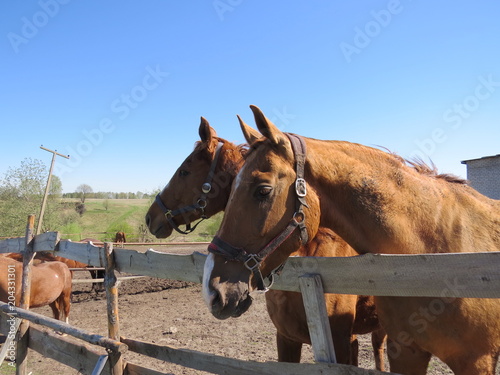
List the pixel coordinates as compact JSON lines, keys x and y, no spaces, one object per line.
{"x":126,"y":215}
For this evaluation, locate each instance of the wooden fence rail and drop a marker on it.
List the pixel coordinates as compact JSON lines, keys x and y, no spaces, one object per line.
{"x":474,"y":275}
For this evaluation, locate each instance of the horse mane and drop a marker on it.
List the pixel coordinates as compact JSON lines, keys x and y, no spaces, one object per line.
{"x":423,"y":168}
{"x":234,"y":154}
{"x":427,"y":170}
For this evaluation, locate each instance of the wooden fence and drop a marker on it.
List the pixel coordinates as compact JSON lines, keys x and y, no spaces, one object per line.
{"x":475,"y":275}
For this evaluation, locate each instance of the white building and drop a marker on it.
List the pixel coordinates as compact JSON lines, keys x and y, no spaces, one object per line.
{"x":484,"y":175}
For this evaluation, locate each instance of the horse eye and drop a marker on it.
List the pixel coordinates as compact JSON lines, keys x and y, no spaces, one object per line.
{"x":264,"y":191}
{"x":183,"y":173}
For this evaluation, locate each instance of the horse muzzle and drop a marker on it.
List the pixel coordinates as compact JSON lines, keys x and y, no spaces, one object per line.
{"x":224,"y":306}
{"x":158,"y":228}
{"x":224,"y":299}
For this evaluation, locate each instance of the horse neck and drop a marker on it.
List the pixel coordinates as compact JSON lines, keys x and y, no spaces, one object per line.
{"x":378,"y":204}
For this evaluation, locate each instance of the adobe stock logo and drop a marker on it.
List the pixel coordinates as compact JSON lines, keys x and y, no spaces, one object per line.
{"x":121,"y":107}
{"x":223,"y":6}
{"x":364,"y":36}
{"x":30,"y":26}
{"x":456,"y":115}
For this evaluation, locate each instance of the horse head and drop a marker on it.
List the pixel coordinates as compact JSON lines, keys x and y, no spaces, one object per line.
{"x":271,"y":212}
{"x":199,"y":188}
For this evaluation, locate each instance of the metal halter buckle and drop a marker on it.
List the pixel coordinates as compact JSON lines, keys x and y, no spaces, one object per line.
{"x":300,"y":187}
{"x":255,"y":259}
{"x":202,"y":203}
{"x":206,"y":187}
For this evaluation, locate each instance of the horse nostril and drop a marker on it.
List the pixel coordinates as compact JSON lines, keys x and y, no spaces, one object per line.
{"x":148,"y":220}
{"x":216,"y":301}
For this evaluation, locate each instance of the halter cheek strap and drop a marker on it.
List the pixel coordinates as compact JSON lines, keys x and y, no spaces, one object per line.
{"x":200,"y":204}
{"x":253,"y":261}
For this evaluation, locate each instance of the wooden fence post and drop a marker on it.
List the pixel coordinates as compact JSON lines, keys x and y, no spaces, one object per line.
{"x":111,"y":285}
{"x":317,"y":318}
{"x":24,"y":303}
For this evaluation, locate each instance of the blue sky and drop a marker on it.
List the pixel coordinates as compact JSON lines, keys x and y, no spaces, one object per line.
{"x":121,"y":85}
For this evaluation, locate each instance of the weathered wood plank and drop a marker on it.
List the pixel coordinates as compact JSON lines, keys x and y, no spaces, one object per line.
{"x":43,"y":242}
{"x":230,"y":366}
{"x":12,"y":245}
{"x":317,"y":318}
{"x":8,"y":327}
{"x":475,"y":275}
{"x":156,"y":264}
{"x":86,"y":253}
{"x":115,"y":359}
{"x":24,"y":303}
{"x":64,"y":328}
{"x":87,"y":281}
{"x":46,"y":241}
{"x":80,"y":356}
{"x":133,"y":369}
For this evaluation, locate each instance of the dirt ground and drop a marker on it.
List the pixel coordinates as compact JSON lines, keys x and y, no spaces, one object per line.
{"x":173,"y":313}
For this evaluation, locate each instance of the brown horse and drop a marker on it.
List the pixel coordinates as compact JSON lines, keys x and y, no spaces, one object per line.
{"x":378,"y":204}
{"x":50,"y":285}
{"x":348,"y":314}
{"x":46,"y":256}
{"x":120,"y":238}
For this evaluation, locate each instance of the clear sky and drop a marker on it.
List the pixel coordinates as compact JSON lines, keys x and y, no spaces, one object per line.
{"x":121,"y":85}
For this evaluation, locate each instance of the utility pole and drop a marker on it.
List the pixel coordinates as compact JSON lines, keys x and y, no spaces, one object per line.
{"x":47,"y":188}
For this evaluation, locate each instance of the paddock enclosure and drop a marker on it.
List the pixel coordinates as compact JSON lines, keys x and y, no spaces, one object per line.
{"x":443,"y":276}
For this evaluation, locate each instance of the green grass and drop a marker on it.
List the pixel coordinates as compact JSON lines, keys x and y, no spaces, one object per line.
{"x":126,"y":215}
{"x":7,"y":369}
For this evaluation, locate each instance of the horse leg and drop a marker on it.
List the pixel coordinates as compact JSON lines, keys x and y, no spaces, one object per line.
{"x":378,"y":340}
{"x":99,"y":274}
{"x":288,"y":350}
{"x":342,"y":344}
{"x":55,"y":309}
{"x":468,"y":365}
{"x":65,"y":299}
{"x":407,"y":359}
{"x":354,"y":350}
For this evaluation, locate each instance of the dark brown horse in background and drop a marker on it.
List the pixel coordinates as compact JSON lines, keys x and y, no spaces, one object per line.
{"x":378,"y":204}
{"x":50,"y":285}
{"x":348,"y":314}
{"x":120,"y":238}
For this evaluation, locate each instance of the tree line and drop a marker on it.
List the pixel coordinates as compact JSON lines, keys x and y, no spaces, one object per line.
{"x":108,"y":195}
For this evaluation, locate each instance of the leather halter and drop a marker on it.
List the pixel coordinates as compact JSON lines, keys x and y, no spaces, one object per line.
{"x":200,"y":204}
{"x":253,"y":261}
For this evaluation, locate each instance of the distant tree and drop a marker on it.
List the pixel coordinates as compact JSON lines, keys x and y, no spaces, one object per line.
{"x":21,"y":193}
{"x":84,"y":190}
{"x":55,"y":187}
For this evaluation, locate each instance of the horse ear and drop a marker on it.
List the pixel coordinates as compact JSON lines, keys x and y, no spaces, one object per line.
{"x":251,"y":135}
{"x":266,"y":127}
{"x":207,"y":133}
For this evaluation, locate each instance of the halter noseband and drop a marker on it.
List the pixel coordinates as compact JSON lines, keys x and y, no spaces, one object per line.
{"x":253,"y":261}
{"x":200,"y":204}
